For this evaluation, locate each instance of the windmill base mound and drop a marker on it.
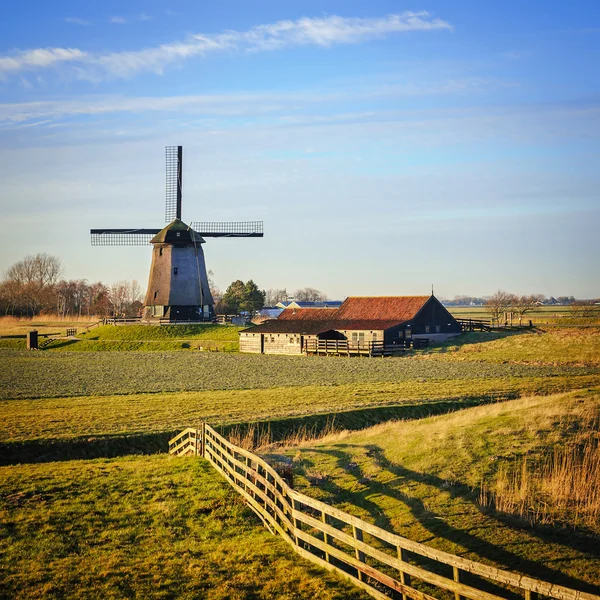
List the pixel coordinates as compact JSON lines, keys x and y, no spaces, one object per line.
{"x":178,"y":313}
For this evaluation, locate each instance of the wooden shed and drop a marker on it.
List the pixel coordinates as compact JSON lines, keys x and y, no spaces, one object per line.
{"x":360,"y":321}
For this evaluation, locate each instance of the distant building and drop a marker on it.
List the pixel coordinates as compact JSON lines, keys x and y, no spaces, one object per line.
{"x":309,"y":304}
{"x":359,"y":320}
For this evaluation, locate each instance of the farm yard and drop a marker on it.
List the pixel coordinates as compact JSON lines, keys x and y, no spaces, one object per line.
{"x":430,"y":443}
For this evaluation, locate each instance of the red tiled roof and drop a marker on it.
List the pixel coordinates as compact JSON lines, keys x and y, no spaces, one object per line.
{"x":371,"y":313}
{"x":384,"y":308}
{"x":314,"y":327}
{"x":291,"y":326}
{"x":307,"y":314}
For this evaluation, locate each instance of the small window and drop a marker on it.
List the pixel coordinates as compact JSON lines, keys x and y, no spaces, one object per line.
{"x":438,"y":328}
{"x":160,"y":251}
{"x":175,"y":270}
{"x":361,"y":336}
{"x":155,"y":295}
{"x":179,"y":234}
{"x":354,"y":336}
{"x":427,"y":328}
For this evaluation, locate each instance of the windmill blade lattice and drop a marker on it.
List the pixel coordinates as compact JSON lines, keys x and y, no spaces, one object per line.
{"x":174,"y":168}
{"x":228,"y":228}
{"x":122,"y":237}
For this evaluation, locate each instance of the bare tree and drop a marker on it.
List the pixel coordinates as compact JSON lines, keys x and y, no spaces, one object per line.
{"x":309,"y":294}
{"x":499,"y":304}
{"x":118,"y":293}
{"x":215,"y":291}
{"x":584,"y":309}
{"x":274,"y":296}
{"x":524,"y":304}
{"x":41,"y":269}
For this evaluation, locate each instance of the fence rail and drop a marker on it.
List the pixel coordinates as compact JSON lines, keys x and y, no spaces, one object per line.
{"x":383,"y":563}
{"x":347,"y":348}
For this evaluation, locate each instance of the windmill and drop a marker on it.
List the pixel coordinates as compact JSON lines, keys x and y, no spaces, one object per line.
{"x":178,"y":284}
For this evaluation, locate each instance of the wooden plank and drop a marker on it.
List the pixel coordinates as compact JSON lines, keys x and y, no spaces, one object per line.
{"x":427,"y":576}
{"x":495,"y":574}
{"x":358,"y":536}
{"x":396,"y":563}
{"x":232,"y":477}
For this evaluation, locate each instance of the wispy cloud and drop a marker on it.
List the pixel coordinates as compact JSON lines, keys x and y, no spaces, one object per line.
{"x":325,"y":31}
{"x":40,"y":58}
{"x":118,"y":20}
{"x":77,"y":21}
{"x":240,"y":103}
{"x":145,"y":17}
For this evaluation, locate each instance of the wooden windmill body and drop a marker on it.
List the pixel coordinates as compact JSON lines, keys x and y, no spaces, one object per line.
{"x":178,"y":288}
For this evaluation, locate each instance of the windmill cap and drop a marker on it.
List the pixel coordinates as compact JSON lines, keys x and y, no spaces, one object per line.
{"x":177,"y":232}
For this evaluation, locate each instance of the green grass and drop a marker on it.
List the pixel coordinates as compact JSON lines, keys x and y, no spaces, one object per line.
{"x":542,"y":315}
{"x":59,"y":374}
{"x":164,"y":332}
{"x":141,"y":346}
{"x":421,"y":480}
{"x":551,"y":346}
{"x":13,"y":344}
{"x":160,"y":527}
{"x":139,"y":338}
{"x":78,"y":417}
{"x":143,"y":527}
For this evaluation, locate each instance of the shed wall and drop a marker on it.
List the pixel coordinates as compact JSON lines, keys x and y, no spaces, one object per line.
{"x":250,"y":342}
{"x":282,"y":343}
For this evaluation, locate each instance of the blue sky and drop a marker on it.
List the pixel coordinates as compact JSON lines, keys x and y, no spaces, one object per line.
{"x":386,"y":145}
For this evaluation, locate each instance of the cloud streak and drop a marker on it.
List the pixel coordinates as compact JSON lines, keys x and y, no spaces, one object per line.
{"x":40,"y":58}
{"x":77,"y":21}
{"x":324,"y":32}
{"x":236,"y":104}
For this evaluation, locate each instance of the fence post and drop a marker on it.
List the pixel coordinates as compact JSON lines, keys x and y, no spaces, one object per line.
{"x":404,"y":577}
{"x":456,"y":577}
{"x":358,"y":535}
{"x":325,"y":536}
{"x":203,"y":442}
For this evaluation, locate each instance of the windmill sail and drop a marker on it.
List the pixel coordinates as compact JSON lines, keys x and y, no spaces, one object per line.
{"x":174,"y":165}
{"x":228,"y":228}
{"x":122,"y":237}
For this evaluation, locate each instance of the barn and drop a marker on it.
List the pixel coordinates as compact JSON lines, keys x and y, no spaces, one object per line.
{"x":360,"y":322}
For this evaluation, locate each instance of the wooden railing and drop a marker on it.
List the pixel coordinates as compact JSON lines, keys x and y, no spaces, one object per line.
{"x":383,"y":563}
{"x":347,"y":348}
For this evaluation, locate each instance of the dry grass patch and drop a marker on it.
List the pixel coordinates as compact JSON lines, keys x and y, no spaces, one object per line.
{"x":423,"y":480}
{"x":578,"y":346}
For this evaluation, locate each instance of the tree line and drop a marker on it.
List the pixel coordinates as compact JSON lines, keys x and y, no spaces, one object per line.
{"x":505,"y":305}
{"x":34,"y":285}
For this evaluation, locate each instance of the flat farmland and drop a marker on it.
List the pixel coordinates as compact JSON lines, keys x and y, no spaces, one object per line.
{"x":49,"y":374}
{"x":146,"y":527}
{"x":151,"y":525}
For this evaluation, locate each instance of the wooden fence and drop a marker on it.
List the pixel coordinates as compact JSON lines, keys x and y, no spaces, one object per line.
{"x":346,"y":348}
{"x":384,"y":564}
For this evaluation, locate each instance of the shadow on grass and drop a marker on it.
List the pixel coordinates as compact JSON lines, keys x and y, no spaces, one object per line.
{"x":437,"y":525}
{"x":59,"y":344}
{"x":110,"y":446}
{"x":477,"y":337}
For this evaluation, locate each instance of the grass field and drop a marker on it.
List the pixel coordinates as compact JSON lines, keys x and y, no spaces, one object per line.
{"x":96,"y":523}
{"x":147,"y":527}
{"x":542,"y":315}
{"x":423,"y":480}
{"x":540,"y":346}
{"x":140,"y":338}
{"x":51,"y":374}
